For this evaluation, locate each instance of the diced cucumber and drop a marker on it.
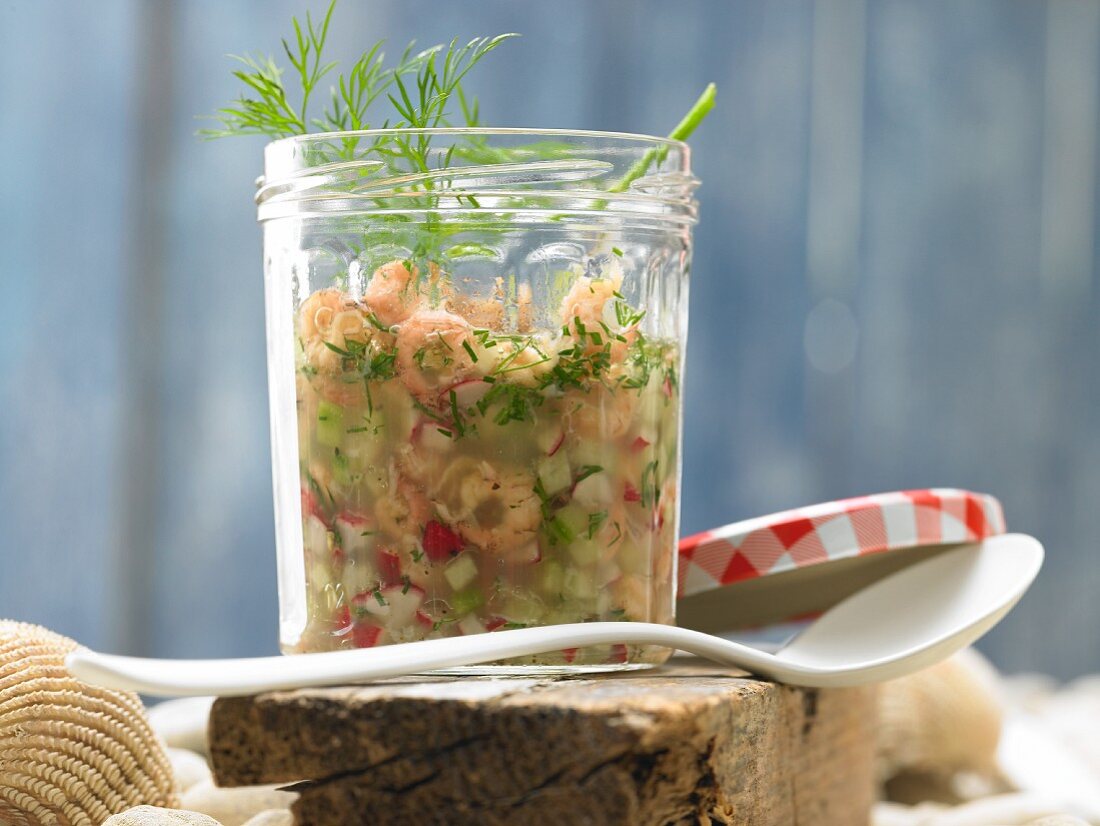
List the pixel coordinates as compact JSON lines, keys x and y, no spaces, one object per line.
{"x":578,"y":584}
{"x":341,"y":472}
{"x":524,"y":607}
{"x":554,"y":473}
{"x":569,"y":523}
{"x":464,"y":602}
{"x":471,"y":625}
{"x":330,"y":424}
{"x":552,"y":576}
{"x":460,"y":571}
{"x":584,"y":551}
{"x":595,"y":453}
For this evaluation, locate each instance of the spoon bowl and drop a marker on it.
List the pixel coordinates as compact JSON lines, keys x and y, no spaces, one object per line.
{"x":900,"y":624}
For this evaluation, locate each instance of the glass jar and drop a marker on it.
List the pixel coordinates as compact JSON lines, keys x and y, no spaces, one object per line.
{"x":475,"y":348}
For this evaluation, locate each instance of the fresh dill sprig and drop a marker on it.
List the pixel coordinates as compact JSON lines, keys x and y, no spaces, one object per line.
{"x":683,"y":130}
{"x":271,"y":113}
{"x":425,"y":83}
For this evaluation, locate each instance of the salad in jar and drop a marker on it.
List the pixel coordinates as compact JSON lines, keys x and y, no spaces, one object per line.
{"x":475,"y":346}
{"x":464,"y":471}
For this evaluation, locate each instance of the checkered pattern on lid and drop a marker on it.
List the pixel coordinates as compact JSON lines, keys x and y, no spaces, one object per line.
{"x":834,"y":530}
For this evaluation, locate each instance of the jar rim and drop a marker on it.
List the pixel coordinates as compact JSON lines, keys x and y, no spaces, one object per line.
{"x":626,"y":137}
{"x":553,"y":174}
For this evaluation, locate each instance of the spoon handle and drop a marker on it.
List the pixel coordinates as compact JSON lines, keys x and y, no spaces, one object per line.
{"x":235,"y":677}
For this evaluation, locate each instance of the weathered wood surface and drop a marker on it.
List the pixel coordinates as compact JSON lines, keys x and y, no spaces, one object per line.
{"x":689,"y":743}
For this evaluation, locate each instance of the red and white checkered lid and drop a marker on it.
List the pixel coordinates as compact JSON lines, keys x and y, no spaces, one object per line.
{"x":834,"y":530}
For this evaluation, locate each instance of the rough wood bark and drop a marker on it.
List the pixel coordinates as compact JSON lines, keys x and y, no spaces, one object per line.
{"x":687,"y":744}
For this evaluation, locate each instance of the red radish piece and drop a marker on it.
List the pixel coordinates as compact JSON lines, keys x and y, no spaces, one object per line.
{"x":424,"y":620}
{"x":440,"y":542}
{"x":551,"y":439}
{"x":365,"y":635}
{"x":398,"y":606}
{"x":467,"y":394}
{"x":310,"y":505}
{"x":530,"y":553}
{"x":618,"y":653}
{"x":667,"y":387}
{"x":495,"y":622}
{"x":315,"y":537}
{"x":631,"y":494}
{"x":389,"y":567}
{"x":343,"y":617}
{"x":640,"y":443}
{"x":351,"y":527}
{"x":430,"y":435}
{"x":569,"y":654}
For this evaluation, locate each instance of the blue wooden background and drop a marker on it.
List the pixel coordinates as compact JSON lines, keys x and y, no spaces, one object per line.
{"x":895,"y":280}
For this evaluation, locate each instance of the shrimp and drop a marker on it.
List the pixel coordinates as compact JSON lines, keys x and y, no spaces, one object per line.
{"x":498,"y":511}
{"x":328,"y":319}
{"x":404,"y":512}
{"x":589,"y":301}
{"x":602,"y":414}
{"x":391,"y":293}
{"x":526,"y":361}
{"x":633,"y":594}
{"x":435,"y":350}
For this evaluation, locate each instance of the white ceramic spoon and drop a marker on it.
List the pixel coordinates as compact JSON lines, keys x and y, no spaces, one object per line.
{"x":905,"y":622}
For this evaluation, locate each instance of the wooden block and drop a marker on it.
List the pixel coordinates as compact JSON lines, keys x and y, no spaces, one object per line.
{"x":688,"y":743}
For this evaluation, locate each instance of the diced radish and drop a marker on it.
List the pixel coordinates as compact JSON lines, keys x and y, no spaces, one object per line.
{"x":640,"y":443}
{"x":424,"y":620}
{"x":397,"y":607}
{"x":659,"y":518}
{"x":359,"y":575}
{"x":365,"y":635}
{"x":351,"y":527}
{"x":550,"y":439}
{"x":631,"y":494}
{"x":529,"y":553}
{"x":440,"y":542}
{"x":315,"y":537}
{"x":343,"y":617}
{"x":667,"y":387}
{"x":460,"y":571}
{"x":555,"y":474}
{"x":389,"y":567}
{"x":433,"y":438}
{"x":467,"y":394}
{"x":470,"y":624}
{"x":618,"y":653}
{"x":569,"y":654}
{"x":494,"y":623}
{"x":310,"y":505}
{"x":593,"y":491}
